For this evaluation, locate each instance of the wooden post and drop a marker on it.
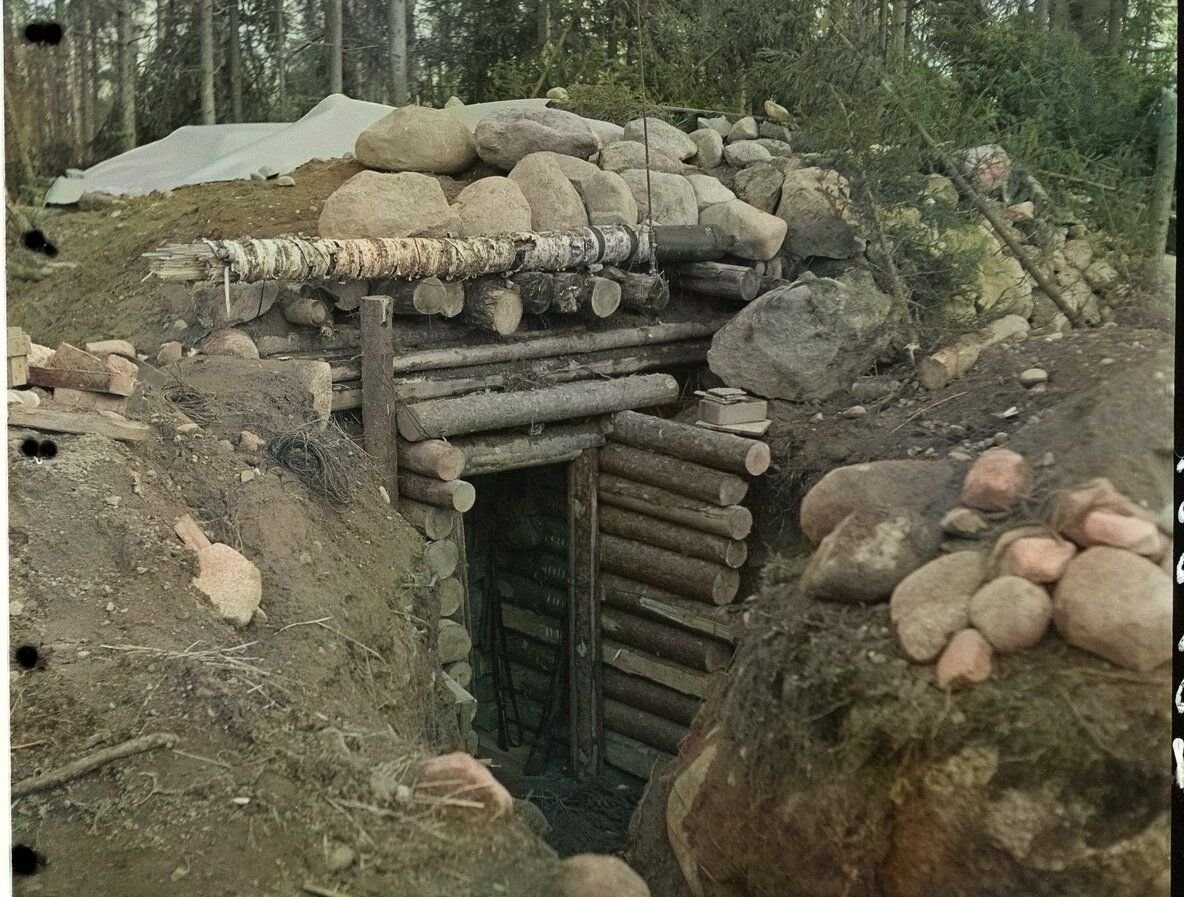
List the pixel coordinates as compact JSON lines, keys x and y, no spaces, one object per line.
{"x":378,"y":393}
{"x":584,"y":618}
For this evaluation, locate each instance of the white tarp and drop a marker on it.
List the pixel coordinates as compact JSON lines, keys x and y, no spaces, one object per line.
{"x":199,"y":154}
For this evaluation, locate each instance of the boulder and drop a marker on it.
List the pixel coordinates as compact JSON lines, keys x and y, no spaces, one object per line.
{"x":939,"y":189}
{"x":709,"y":191}
{"x":1117,"y":605}
{"x":558,"y":93}
{"x":720,"y":124}
{"x":933,"y":603}
{"x":626,"y":154}
{"x":1011,"y":612}
{"x":744,"y":129}
{"x":1135,"y":534}
{"x":597,"y":875}
{"x":816,"y":203}
{"x":777,"y":148}
{"x":1090,"y":515}
{"x":710,"y":147}
{"x":229,"y":341}
{"x":575,"y":170}
{"x":966,"y":661}
{"x":673,"y":199}
{"x":554,"y":203}
{"x":997,"y":480}
{"x":808,"y":340}
{"x":1078,"y":253}
{"x":1031,"y":552}
{"x":209,"y":306}
{"x":772,"y":131}
{"x":372,"y":204}
{"x":662,"y":136}
{"x":170,"y":353}
{"x":864,"y":558}
{"x":461,"y":775}
{"x":745,"y":152}
{"x":492,"y":206}
{"x":417,"y":138}
{"x":231,"y":582}
{"x":608,"y":199}
{"x":607,"y":131}
{"x":1000,"y":286}
{"x":988,"y":168}
{"x":506,"y":138}
{"x":760,"y":186}
{"x":754,"y":234}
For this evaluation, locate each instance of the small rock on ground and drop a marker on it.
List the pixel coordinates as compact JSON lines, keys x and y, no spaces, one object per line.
{"x":966,"y":661}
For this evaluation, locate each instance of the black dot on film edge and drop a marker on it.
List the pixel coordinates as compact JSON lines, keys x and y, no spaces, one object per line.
{"x":27,"y":656}
{"x":46,"y":33}
{"x":25,"y":860}
{"x":47,"y":448}
{"x":30,"y":447}
{"x":36,"y":241}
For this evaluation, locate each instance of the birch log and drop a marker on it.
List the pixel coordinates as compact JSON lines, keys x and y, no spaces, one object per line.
{"x":493,"y":304}
{"x":690,"y":443}
{"x":684,"y":477}
{"x":472,"y":414}
{"x":689,"y":577}
{"x":735,"y":522}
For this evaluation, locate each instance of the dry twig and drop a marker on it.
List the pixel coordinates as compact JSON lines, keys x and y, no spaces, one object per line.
{"x":89,"y":764}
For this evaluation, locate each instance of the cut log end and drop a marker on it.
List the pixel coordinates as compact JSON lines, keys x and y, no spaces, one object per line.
{"x":605,"y":298}
{"x":758,"y":458}
{"x":726,"y":587}
{"x":493,"y":304}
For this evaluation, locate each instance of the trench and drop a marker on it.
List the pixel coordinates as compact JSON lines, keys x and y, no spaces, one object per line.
{"x":519,"y":579}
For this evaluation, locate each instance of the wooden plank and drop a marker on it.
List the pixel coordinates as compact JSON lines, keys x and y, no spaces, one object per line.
{"x":102,"y":423}
{"x":641,"y":663}
{"x":583,"y":607}
{"x":632,"y":756}
{"x":18,"y":371}
{"x":658,"y":604}
{"x":378,"y":396}
{"x":18,"y":342}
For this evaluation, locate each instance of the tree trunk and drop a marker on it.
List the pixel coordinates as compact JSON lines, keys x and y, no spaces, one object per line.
{"x":378,"y":396}
{"x":899,"y":34}
{"x":209,"y":115}
{"x":1163,"y":180}
{"x":336,"y":45}
{"x":688,"y":577}
{"x":646,"y":294}
{"x":736,"y":282}
{"x":126,"y":75}
{"x":543,"y":22}
{"x":397,"y":51}
{"x":234,"y":61}
{"x":498,"y":411}
{"x":278,"y":55}
{"x":457,"y":495}
{"x":735,"y":522}
{"x":690,"y":443}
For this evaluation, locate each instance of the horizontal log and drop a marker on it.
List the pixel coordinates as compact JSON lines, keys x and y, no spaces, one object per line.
{"x":441,"y":558}
{"x":536,"y":289}
{"x":549,"y":601}
{"x":432,"y":521}
{"x":456,"y":495}
{"x":306,"y":306}
{"x":461,"y":672}
{"x":651,"y":602}
{"x":684,"y":477}
{"x":530,"y":652}
{"x":646,"y":294}
{"x":538,"y":627}
{"x":665,"y":642}
{"x":631,"y":756}
{"x":539,"y":566}
{"x":735,"y":282}
{"x":432,"y":458}
{"x":526,"y":346}
{"x":453,"y":642}
{"x":641,"y":663}
{"x":649,"y":696}
{"x":472,"y":414}
{"x":490,"y":452}
{"x":672,"y":536}
{"x":689,"y":577}
{"x":643,"y":726}
{"x":690,"y":443}
{"x":734,"y":522}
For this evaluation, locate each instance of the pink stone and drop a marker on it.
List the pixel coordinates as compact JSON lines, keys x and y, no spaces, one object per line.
{"x":1074,"y":505}
{"x":461,"y":777}
{"x":1135,"y":534}
{"x":966,"y":661}
{"x":1039,"y":559}
{"x":997,"y":480}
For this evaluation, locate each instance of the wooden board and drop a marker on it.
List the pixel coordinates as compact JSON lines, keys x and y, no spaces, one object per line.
{"x":583,"y":607}
{"x":640,"y":663}
{"x":102,"y":423}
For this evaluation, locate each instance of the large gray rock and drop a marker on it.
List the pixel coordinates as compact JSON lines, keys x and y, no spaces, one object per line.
{"x":928,"y":488}
{"x":719,"y":124}
{"x":493,"y":206}
{"x":417,"y":138}
{"x":209,"y":301}
{"x":816,"y":204}
{"x":626,"y":154}
{"x":606,"y":131}
{"x":673,"y":200}
{"x":575,"y":170}
{"x":743,"y":153}
{"x":505,"y":138}
{"x":864,"y":558}
{"x":709,"y":191}
{"x":773,"y":131}
{"x":744,"y":129}
{"x":754,"y":234}
{"x":1117,"y":605}
{"x":554,"y":203}
{"x":608,"y":199}
{"x":711,"y":147}
{"x":760,"y":186}
{"x":775,"y":147}
{"x":371,"y":204}
{"x":933,"y":602}
{"x":806,"y":341}
{"x":662,"y":136}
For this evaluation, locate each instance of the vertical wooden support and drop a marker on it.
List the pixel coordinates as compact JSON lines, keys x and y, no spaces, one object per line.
{"x":462,"y":570}
{"x":378,"y":391}
{"x":583,"y":614}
